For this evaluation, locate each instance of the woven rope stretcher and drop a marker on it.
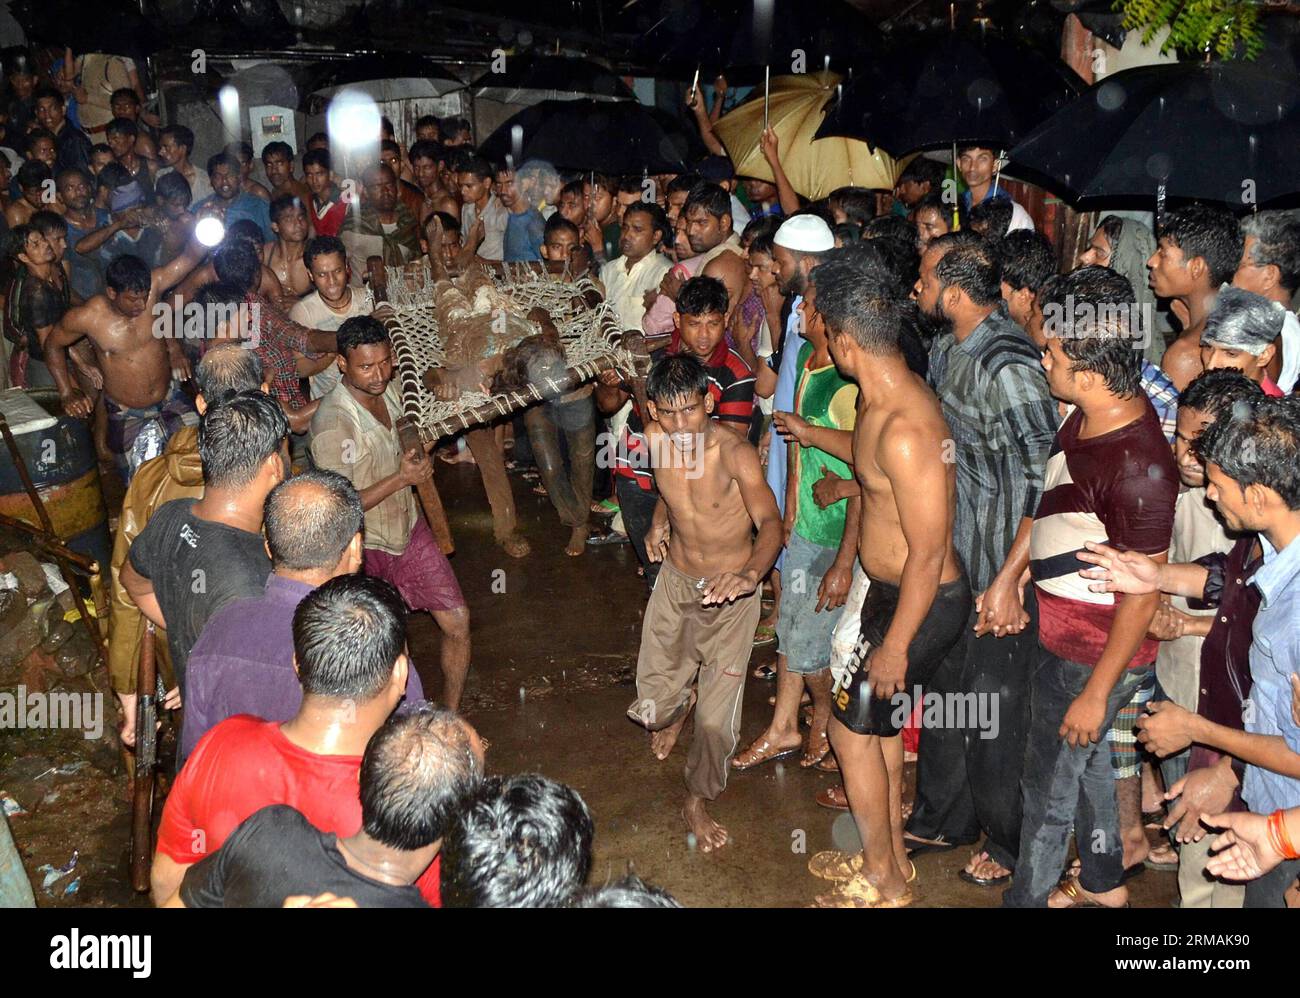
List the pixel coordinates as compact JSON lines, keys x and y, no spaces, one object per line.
{"x":589,"y":331}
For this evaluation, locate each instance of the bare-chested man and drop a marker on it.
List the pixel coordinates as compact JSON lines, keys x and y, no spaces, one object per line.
{"x":1199,"y":249}
{"x":918,"y":600}
{"x":32,"y":176}
{"x":699,"y":623}
{"x":284,"y":256}
{"x":427,"y":158}
{"x":142,"y":371}
{"x":277,"y":161}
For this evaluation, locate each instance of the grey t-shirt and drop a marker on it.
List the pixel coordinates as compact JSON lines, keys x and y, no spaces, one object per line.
{"x":196,"y":566}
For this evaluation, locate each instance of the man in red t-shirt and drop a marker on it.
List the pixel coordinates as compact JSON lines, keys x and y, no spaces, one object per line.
{"x":329,"y":205}
{"x":350,"y":652}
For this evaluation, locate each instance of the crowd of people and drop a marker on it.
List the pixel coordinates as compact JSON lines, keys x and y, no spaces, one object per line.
{"x":1043,"y":510}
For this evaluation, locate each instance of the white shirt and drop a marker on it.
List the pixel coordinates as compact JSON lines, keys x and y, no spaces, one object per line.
{"x":625,"y":289}
{"x":1290,"y":372}
{"x":739,"y":215}
{"x":313,"y":313}
{"x":495,"y":218}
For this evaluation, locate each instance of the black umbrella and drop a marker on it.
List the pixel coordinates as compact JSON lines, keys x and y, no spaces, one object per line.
{"x":622,"y":138}
{"x":116,"y":27}
{"x":741,"y":37}
{"x":1220,"y":131}
{"x":527,"y":79}
{"x":962,"y":88}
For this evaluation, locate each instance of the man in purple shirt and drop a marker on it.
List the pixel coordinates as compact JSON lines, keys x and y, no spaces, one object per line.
{"x":243,"y":663}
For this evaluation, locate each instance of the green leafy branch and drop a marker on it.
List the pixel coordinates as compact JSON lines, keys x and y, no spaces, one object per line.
{"x":1197,"y":26}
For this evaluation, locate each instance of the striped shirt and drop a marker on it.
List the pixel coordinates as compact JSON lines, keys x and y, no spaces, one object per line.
{"x":731,"y":383}
{"x":1118,"y":488}
{"x":1003,"y":422}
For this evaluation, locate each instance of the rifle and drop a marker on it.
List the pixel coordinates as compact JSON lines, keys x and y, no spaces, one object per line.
{"x":146,"y":762}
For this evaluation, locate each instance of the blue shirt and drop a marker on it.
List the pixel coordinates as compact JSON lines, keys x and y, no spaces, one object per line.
{"x":245,"y":205}
{"x":523,"y":238}
{"x":86,"y":269}
{"x":1274,"y":655}
{"x":1164,"y":398}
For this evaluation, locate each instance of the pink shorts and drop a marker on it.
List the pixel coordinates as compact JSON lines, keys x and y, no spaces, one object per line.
{"x":421,"y":573}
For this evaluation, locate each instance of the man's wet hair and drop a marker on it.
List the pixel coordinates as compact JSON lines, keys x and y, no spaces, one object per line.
{"x":248,"y":231}
{"x":360,"y":331}
{"x":283,"y":203}
{"x":856,"y":302}
{"x":1027,"y":259}
{"x":318,"y":137}
{"x":1257,"y":443}
{"x":386,"y":125}
{"x":895,"y":237}
{"x":557,"y":223}
{"x":763,"y":227}
{"x":427,"y":149}
{"x":1112,"y":227}
{"x":573,"y":188}
{"x":311,"y":519}
{"x":629,"y":892}
{"x":122,"y":126}
{"x":236,"y":262}
{"x":316,"y":157}
{"x":417,"y":772}
{"x":347,"y":637}
{"x":101,"y":149}
{"x":683,"y":182}
{"x":173,"y":186}
{"x":1098,"y":336}
{"x":475,"y":165}
{"x":227,"y":367}
{"x":225,"y":159}
{"x":711,"y":197}
{"x":450,"y":223}
{"x":1243,"y":320}
{"x":128,"y":273}
{"x":33,"y":173}
{"x":390,"y":145}
{"x":1277,"y":244}
{"x":220,"y":300}
{"x":16,"y":240}
{"x":762,"y":243}
{"x":934,"y":200}
{"x":241,"y":150}
{"x":323,"y":246}
{"x":857,"y":203}
{"x":450,"y":128}
{"x":40,"y":133}
{"x":425,"y":120}
{"x":518,"y":842}
{"x":658,"y":219}
{"x":115,"y":175}
{"x":994,"y":216}
{"x":124,"y":93}
{"x":1218,"y":390}
{"x":702,"y":296}
{"x":676,"y":377}
{"x":46,"y":92}
{"x":48,"y":223}
{"x":602,"y":180}
{"x":182,"y":135}
{"x":237,"y":434}
{"x":924,"y":171}
{"x":968,"y":263}
{"x":277,"y":148}
{"x":1210,"y":232}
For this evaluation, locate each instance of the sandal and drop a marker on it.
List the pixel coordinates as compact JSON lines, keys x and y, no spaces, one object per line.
{"x":764,"y":634}
{"x":971,"y":878}
{"x":810,"y":760}
{"x":839,"y":866}
{"x":605,"y":507}
{"x":765,"y":671}
{"x":760,"y":752}
{"x":828,"y":764}
{"x":861,"y":893}
{"x":1072,"y":889}
{"x":612,"y":537}
{"x":540,"y":490}
{"x":919,"y":847}
{"x":833,"y":798}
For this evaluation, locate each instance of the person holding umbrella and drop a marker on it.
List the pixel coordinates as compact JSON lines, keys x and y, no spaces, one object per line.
{"x":981,"y":169}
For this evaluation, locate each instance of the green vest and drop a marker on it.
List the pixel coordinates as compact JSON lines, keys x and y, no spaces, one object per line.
{"x":813,"y":396}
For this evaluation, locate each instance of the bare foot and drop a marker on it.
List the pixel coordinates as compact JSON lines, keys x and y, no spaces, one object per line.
{"x":663,"y":740}
{"x":982,"y":869}
{"x":577,"y":542}
{"x":709,"y":835}
{"x":1070,"y":894}
{"x":515,"y":545}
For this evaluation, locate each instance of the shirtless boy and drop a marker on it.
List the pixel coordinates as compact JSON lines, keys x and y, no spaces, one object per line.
{"x":1199,"y":250}
{"x":284,"y":256}
{"x":918,"y":600}
{"x":142,"y":372}
{"x":699,"y":623}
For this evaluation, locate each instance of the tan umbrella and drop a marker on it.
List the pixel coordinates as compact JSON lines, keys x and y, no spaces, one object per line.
{"x":815,"y":167}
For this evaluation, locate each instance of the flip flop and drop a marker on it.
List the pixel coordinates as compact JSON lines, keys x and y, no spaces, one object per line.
{"x":923,"y":846}
{"x":600,"y":540}
{"x":970,"y":878}
{"x":762,"y":758}
{"x":765,"y":671}
{"x":838,"y":866}
{"x":833,"y":798}
{"x":809,"y":760}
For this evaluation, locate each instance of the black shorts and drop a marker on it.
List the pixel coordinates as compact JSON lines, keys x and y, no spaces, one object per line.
{"x":852,"y":703}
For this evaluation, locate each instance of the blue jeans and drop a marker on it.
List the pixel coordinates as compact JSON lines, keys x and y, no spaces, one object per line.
{"x":1064,"y":788}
